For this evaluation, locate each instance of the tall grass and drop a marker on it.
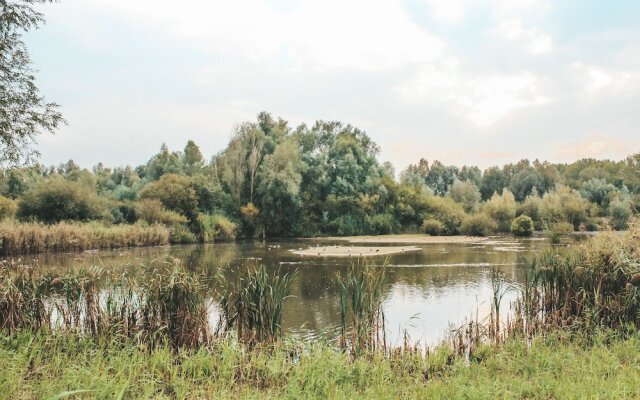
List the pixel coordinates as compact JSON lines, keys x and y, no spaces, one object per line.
{"x":29,"y":238}
{"x":252,"y":303}
{"x":171,"y":307}
{"x":594,"y":285}
{"x":361,"y":314}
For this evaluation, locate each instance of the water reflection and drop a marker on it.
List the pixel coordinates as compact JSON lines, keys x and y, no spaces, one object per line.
{"x":424,"y":291}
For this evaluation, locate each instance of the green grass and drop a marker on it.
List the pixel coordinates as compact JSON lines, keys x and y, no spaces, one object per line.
{"x":44,"y":366}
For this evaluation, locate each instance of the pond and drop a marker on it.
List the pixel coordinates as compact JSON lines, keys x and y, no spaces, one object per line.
{"x":426,"y":291}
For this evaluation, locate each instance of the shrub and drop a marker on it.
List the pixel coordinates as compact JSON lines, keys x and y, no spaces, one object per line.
{"x":620,"y":212}
{"x":380,"y":224}
{"x":215,"y":227}
{"x":152,"y":211}
{"x":182,"y":234}
{"x":175,"y":192}
{"x":522,"y":226}
{"x":8,"y":208}
{"x":433,"y":227}
{"x":58,"y":200}
{"x":502,"y":209}
{"x":478,"y":225}
{"x":447,"y":211}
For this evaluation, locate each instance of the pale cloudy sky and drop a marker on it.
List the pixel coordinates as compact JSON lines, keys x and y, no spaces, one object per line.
{"x":464,"y":81}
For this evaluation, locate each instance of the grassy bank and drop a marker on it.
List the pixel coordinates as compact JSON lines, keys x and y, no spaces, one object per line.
{"x":45,"y":366}
{"x":28,"y":238}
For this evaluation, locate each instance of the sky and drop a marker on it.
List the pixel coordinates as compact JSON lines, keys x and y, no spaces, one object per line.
{"x":473,"y":82}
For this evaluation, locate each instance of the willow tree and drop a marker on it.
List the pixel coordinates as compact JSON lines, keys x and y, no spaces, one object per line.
{"x":24,"y":112}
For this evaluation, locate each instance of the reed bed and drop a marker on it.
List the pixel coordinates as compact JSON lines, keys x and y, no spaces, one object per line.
{"x":361,"y":314}
{"x":252,"y":304}
{"x":596,"y":285}
{"x":169,"y":308}
{"x":18,"y":239}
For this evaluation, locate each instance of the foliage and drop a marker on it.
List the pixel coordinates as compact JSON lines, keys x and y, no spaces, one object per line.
{"x":478,"y":225}
{"x":153,"y":212}
{"x":325,"y":179}
{"x":447,"y":211}
{"x":175,"y":192}
{"x":433,"y":227}
{"x":502,"y":209}
{"x":57,"y":199}
{"x":522,"y":226}
{"x":8,"y":208}
{"x":215,"y":227}
{"x":620,"y":212}
{"x":467,"y":194}
{"x":24,"y":113}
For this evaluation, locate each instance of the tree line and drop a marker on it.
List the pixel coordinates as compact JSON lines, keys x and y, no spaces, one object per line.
{"x":277,"y":181}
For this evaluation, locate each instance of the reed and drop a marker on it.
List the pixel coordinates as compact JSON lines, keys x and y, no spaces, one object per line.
{"x":170,"y":307}
{"x":252,"y":303}
{"x":175,"y":308}
{"x":594,"y":285}
{"x":361,"y":313}
{"x":29,"y":238}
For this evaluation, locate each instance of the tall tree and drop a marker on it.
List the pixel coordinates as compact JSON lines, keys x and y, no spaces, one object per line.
{"x":24,"y":112}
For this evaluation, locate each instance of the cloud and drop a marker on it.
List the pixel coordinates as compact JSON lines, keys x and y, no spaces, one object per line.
{"x":598,"y":79}
{"x":332,"y":34}
{"x":449,"y":11}
{"x":482,"y":99}
{"x":533,"y":40}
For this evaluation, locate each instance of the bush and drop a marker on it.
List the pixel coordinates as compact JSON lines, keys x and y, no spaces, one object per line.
{"x":8,"y":208}
{"x":182,"y":234}
{"x":152,"y":211}
{"x":620,"y":212}
{"x":502,"y":209}
{"x":215,"y":227}
{"x":447,"y":211}
{"x":522,"y":226}
{"x":433,"y":227}
{"x":380,"y":224}
{"x":175,"y":192}
{"x":58,"y":200}
{"x":478,"y":225}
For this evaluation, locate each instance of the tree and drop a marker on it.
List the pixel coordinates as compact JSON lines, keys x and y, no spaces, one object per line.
{"x":58,"y":200}
{"x":467,"y":194}
{"x":502,"y":208}
{"x":192,"y":160}
{"x":24,"y":112}
{"x":493,"y":181}
{"x":524,"y":181}
{"x":279,"y":188}
{"x":440,"y":177}
{"x":175,"y":192}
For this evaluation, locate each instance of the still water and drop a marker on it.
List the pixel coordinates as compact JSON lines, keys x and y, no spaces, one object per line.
{"x":426,"y":292}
